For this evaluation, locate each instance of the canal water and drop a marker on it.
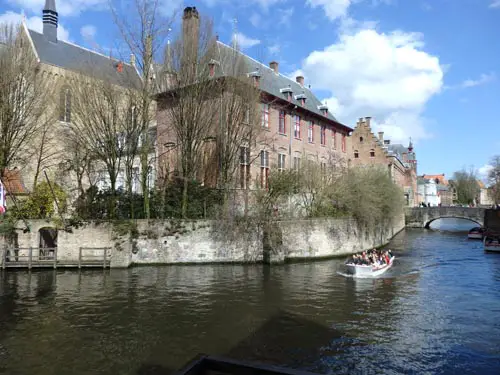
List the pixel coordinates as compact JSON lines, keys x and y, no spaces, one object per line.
{"x":437,"y":311}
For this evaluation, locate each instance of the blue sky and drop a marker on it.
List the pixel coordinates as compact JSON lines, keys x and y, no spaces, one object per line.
{"x":426,"y":69}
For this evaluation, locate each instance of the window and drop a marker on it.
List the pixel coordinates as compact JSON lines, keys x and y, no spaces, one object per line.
{"x":281,"y":162}
{"x":246,"y":116}
{"x":334,"y":139}
{"x":372,"y":153}
{"x":356,"y":154}
{"x":323,"y":169}
{"x":310,"y":132}
{"x":120,"y":180}
{"x":135,"y":180}
{"x":343,"y":143}
{"x":360,"y":139}
{"x":296,"y":130}
{"x":244,"y":166}
{"x":265,"y":116}
{"x":323,"y":135}
{"x":264,"y":169}
{"x":296,"y":163}
{"x":282,"y":123}
{"x":65,"y":105}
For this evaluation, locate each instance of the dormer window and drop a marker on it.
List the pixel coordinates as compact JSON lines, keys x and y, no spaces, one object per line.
{"x":288,"y":92}
{"x":301,"y":98}
{"x":324,"y":109}
{"x":255,"y":77}
{"x":211,"y":67}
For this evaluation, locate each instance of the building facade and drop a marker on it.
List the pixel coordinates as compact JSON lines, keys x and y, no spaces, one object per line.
{"x":400,"y":161}
{"x":428,"y":192}
{"x":62,"y":63}
{"x":294,"y":127}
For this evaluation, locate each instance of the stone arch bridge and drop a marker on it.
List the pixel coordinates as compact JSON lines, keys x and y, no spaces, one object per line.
{"x":422,"y":217}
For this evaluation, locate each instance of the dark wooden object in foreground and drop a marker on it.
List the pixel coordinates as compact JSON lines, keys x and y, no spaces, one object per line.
{"x":209,"y":365}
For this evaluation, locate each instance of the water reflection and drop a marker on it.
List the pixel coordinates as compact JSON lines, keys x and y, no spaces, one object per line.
{"x":426,"y":314}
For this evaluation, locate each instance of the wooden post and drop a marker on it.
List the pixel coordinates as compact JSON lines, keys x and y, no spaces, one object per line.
{"x":4,"y":260}
{"x":80,"y":258}
{"x":30,"y":257}
{"x":55,"y":258}
{"x":104,"y":263}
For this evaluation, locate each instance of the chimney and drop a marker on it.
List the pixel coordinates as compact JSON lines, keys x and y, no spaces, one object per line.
{"x":381,"y":137}
{"x":405,"y":157}
{"x":300,"y":80}
{"x":274,"y":65}
{"x":132,"y":59}
{"x":368,"y":121}
{"x":50,"y":18}
{"x":190,"y":40}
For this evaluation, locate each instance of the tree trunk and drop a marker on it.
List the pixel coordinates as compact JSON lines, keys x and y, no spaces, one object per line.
{"x":185,"y":193}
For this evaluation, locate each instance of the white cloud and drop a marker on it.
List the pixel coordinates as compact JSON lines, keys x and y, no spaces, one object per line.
{"x":255,"y":19}
{"x":484,"y":171}
{"x":170,"y":7}
{"x":334,"y":9}
{"x":264,"y":4}
{"x":35,"y":23}
{"x":495,"y":4}
{"x":244,"y":41}
{"x":286,"y":16}
{"x":64,"y":8}
{"x":386,"y":76}
{"x":483,"y":79}
{"x":88,"y":32}
{"x":274,"y":49}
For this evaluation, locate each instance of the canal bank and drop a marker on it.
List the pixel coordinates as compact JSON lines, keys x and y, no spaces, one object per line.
{"x":146,"y":242}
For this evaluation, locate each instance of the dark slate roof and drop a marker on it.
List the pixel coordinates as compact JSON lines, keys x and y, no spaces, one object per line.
{"x":72,"y":57}
{"x":270,"y":82}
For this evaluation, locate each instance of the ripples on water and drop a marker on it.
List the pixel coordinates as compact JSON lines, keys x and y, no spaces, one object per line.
{"x":436,"y":311}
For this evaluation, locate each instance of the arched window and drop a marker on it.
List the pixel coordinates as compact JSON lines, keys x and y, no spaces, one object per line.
{"x":360,"y":139}
{"x":356,"y":154}
{"x":372,"y":153}
{"x":65,"y":104}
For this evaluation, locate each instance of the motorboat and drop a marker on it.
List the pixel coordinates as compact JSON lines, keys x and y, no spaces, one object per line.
{"x":492,"y":243}
{"x":369,"y":270}
{"x":476,"y":233}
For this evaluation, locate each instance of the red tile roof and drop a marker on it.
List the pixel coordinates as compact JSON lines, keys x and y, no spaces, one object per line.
{"x":13,"y":182}
{"x":440,"y":177}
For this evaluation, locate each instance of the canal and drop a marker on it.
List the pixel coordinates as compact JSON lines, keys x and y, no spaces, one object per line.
{"x":436,"y":312}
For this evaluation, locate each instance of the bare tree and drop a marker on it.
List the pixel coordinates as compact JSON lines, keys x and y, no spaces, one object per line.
{"x":144,"y":31}
{"x":24,"y":99}
{"x":494,"y":179}
{"x":46,"y":151}
{"x":101,"y":112}
{"x":191,"y":106}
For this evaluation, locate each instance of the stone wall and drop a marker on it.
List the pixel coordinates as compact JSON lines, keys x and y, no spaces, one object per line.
{"x":174,"y":242}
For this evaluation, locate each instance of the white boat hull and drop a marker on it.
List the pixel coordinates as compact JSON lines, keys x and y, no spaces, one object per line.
{"x":475,"y":236}
{"x":493,"y":246}
{"x":368,"y":271}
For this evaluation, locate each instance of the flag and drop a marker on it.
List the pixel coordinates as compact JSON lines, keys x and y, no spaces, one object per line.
{"x":3,"y":200}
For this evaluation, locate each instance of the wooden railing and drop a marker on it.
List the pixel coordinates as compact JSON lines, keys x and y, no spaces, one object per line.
{"x":31,"y":257}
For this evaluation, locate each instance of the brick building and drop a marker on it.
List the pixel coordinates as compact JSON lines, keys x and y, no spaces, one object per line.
{"x":399,"y":160}
{"x":295,"y":126}
{"x":62,"y":63}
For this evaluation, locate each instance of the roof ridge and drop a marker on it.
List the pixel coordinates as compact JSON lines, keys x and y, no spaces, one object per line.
{"x":86,"y":49}
{"x":264,"y":65}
